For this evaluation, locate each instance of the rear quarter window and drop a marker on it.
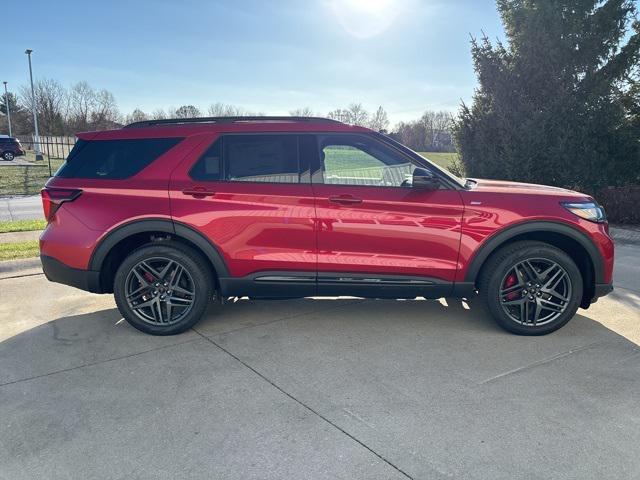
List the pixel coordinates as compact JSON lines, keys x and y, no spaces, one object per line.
{"x":113,"y":159}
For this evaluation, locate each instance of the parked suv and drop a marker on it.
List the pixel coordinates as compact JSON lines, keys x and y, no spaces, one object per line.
{"x":10,"y":148}
{"x":170,"y":214}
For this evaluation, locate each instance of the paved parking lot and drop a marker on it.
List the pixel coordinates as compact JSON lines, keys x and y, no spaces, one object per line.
{"x":331,"y":388}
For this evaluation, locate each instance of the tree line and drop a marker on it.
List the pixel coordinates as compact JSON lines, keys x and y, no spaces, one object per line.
{"x":60,"y":110}
{"x":65,"y":111}
{"x":431,"y":132}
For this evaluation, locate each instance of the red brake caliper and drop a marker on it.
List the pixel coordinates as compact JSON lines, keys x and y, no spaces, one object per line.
{"x":510,"y":281}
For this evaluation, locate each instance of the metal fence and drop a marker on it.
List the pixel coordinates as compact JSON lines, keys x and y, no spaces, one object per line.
{"x":50,"y":146}
{"x":26,"y":175}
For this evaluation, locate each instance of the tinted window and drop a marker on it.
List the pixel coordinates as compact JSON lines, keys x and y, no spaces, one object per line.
{"x":208,"y":166}
{"x":261,"y":158}
{"x":360,"y":160}
{"x":113,"y":159}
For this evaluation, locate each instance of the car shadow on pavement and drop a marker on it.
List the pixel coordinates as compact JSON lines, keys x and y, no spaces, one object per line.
{"x":435,"y":387}
{"x":448,"y":324}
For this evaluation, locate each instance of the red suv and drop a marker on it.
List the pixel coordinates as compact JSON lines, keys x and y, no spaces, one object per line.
{"x":170,"y":214}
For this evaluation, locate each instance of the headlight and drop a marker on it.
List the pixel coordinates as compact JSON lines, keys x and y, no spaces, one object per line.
{"x":588,"y":210}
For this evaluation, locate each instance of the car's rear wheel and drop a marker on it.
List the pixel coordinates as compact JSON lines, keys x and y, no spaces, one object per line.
{"x":531,"y":288}
{"x":163,"y":289}
{"x":8,"y":156}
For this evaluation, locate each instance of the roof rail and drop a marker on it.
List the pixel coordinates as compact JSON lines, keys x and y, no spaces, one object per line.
{"x":180,"y":121}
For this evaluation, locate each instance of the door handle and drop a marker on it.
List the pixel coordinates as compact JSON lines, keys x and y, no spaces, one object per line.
{"x":198,"y":192}
{"x":345,"y":199}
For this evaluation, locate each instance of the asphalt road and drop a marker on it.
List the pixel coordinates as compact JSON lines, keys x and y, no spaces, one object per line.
{"x":20,"y":208}
{"x":318,"y":389}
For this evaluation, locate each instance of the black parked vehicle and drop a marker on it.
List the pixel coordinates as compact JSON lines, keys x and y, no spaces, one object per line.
{"x":10,"y":148}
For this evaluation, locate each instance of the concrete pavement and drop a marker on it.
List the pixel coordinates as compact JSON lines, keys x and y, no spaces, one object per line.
{"x":331,"y":388}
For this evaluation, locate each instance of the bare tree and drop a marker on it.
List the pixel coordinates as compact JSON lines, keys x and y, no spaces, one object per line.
{"x":339,"y":114}
{"x":159,"y":114}
{"x":379,"y":121}
{"x":443,"y":131}
{"x":82,"y":101}
{"x":219,"y":109}
{"x":430,"y":133}
{"x":437,"y":127}
{"x":302,"y":112}
{"x":50,"y":100}
{"x":105,"y":113}
{"x":358,"y":115}
{"x":136,"y":116}
{"x":227,"y":110}
{"x":355,"y":114}
{"x":187,"y":111}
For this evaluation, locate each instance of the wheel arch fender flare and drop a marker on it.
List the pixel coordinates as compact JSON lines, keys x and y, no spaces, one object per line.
{"x":497,"y":240}
{"x":179,"y":230}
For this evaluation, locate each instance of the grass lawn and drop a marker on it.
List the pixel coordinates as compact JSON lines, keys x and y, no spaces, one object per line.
{"x":12,"y":251}
{"x":22,"y":225}
{"x":26,"y":180}
{"x":442,"y":159}
{"x":338,"y":158}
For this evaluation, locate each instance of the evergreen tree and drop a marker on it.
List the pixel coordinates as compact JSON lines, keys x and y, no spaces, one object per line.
{"x":14,"y":106}
{"x":552,"y":104}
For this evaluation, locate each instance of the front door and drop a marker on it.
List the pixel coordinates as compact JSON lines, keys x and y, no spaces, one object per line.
{"x":376,"y":231}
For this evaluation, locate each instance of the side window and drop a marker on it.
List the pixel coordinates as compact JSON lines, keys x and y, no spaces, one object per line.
{"x":113,"y":159}
{"x":207,"y":168}
{"x":261,"y":158}
{"x":359,"y":160}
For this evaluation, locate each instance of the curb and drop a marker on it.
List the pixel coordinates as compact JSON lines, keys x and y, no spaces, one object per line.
{"x":16,"y":268}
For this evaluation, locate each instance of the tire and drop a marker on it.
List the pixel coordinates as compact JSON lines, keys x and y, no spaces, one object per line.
{"x":516,"y":286}
{"x":169,"y":293}
{"x":8,"y":156}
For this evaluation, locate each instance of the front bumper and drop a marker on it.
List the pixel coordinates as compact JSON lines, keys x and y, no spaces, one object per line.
{"x":58,"y":272}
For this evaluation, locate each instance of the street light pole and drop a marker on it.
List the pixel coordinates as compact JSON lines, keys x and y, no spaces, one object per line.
{"x":6,"y":102}
{"x":36,"y":145}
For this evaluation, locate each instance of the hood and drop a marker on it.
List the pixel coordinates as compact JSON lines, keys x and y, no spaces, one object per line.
{"x":501,"y":186}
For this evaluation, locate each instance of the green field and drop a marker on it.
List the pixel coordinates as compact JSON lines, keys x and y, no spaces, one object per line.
{"x":26,"y":180}
{"x":13,"y":251}
{"x":442,"y":159}
{"x":22,"y":225}
{"x":336,"y":158}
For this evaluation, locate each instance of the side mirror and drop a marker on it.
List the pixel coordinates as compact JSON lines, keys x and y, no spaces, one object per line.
{"x":424,"y":179}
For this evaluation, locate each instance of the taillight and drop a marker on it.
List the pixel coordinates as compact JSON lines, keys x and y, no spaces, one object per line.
{"x":52,"y":198}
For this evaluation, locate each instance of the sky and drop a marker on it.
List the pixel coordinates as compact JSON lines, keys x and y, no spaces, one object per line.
{"x":268,"y":56}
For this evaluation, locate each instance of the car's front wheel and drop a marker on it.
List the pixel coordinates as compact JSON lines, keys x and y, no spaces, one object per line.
{"x":531,"y":288}
{"x":8,"y":156}
{"x":164,"y":288}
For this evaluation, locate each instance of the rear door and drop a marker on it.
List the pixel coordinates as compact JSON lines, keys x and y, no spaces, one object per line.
{"x":376,"y":231}
{"x":251,"y":196}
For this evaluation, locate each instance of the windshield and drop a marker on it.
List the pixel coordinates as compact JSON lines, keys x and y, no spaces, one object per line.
{"x":454,"y":178}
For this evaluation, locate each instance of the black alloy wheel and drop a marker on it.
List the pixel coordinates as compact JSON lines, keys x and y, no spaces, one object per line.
{"x":163,"y":288}
{"x":531,"y":288}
